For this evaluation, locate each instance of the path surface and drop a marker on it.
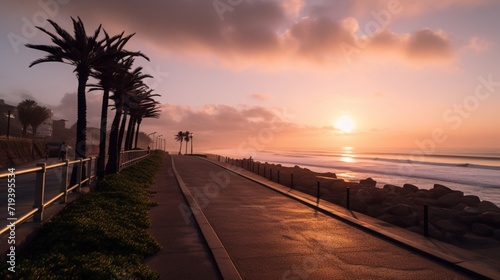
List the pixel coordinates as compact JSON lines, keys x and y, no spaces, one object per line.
{"x":184,"y":253}
{"x":270,"y":236}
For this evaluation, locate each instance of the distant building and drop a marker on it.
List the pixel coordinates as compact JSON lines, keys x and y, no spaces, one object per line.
{"x":46,"y":128}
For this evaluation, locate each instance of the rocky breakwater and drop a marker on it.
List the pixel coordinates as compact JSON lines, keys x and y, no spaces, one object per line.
{"x":451,"y":213}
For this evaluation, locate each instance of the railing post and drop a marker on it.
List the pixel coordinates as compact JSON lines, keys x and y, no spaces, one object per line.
{"x":291,"y":179}
{"x":317,"y":192}
{"x":64,"y":182}
{"x":278,"y":176}
{"x":79,"y":175}
{"x":348,"y":203}
{"x":426,"y":220}
{"x":264,"y":171}
{"x":89,"y":169}
{"x":258,"y":168}
{"x":39,"y":192}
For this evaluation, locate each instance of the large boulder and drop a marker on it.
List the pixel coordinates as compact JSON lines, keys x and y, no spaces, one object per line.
{"x":364,"y":195}
{"x":471,"y":200}
{"x":409,"y":188}
{"x":368,"y":182}
{"x":491,"y":218}
{"x":469,"y":219}
{"x":488,"y":206}
{"x":451,"y":228}
{"x":400,"y":210}
{"x":472,"y":210}
{"x":451,"y":199}
{"x":392,"y":188}
{"x":439,"y":190}
{"x":482,"y":229}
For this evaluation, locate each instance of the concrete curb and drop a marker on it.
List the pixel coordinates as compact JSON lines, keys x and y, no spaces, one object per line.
{"x":460,"y":259}
{"x":222,"y":259}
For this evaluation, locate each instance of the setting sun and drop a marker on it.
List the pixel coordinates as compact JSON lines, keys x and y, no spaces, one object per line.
{"x":344,"y":124}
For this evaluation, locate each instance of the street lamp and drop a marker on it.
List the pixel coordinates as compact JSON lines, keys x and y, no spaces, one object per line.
{"x":153,"y":137}
{"x":191,"y":136}
{"x":156,"y":146}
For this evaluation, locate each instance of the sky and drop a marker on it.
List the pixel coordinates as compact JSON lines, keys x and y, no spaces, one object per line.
{"x":253,"y":75}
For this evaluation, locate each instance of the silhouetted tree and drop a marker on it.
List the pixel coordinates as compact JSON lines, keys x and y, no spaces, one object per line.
{"x":25,"y":113}
{"x":81,"y":51}
{"x":180,"y":137}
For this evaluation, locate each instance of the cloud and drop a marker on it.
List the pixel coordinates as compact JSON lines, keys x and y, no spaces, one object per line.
{"x":260,"y":96}
{"x":268,"y":34}
{"x":478,"y":45}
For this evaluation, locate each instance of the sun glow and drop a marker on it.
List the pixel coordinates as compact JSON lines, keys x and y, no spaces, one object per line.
{"x":345,"y":124}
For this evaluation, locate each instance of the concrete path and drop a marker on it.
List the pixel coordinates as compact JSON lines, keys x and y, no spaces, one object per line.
{"x":184,"y":253}
{"x":270,"y":236}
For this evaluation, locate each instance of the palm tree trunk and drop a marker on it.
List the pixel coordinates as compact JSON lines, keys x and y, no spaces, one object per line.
{"x":122,"y":130}
{"x":137,"y":132}
{"x":130,"y":133}
{"x":81,"y":123}
{"x":111,"y":166}
{"x":180,"y":149}
{"x":102,"y":135}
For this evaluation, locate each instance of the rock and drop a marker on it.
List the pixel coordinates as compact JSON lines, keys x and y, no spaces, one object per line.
{"x":364,"y":195}
{"x":472,"y":210}
{"x":469,"y":219}
{"x":409,"y":188}
{"x":408,"y":221}
{"x":421,"y":194}
{"x":400,"y":210}
{"x":419,"y":201}
{"x":456,"y":229}
{"x":496,"y":234}
{"x":482,"y":229}
{"x":451,"y":199}
{"x":488,"y":206}
{"x":460,"y":206}
{"x":471,"y":200}
{"x":392,"y":188}
{"x":491,"y":218}
{"x":440,"y":190}
{"x":368,"y":182}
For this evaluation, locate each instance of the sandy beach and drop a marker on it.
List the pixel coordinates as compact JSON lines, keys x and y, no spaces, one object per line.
{"x":465,"y":221}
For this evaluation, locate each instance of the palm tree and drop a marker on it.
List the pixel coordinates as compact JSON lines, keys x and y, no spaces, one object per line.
{"x":39,"y":115}
{"x":114,"y":57}
{"x":25,"y":113}
{"x":142,"y":100}
{"x":186,"y":138}
{"x":81,"y":51}
{"x":125,"y":85}
{"x":149,"y":110}
{"x":180,"y":137}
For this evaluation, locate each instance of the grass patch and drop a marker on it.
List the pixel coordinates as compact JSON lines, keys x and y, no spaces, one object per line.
{"x":101,"y":235}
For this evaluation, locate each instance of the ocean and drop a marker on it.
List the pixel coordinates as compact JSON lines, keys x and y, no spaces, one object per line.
{"x":474,"y":172}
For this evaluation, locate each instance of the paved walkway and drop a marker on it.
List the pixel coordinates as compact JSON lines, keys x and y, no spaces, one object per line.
{"x":270,"y":236}
{"x":184,"y":253}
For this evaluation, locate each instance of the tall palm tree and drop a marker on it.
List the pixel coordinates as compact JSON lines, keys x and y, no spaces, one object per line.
{"x":142,"y":100}
{"x":125,"y":85}
{"x":81,"y":51}
{"x":180,"y":137}
{"x":39,"y":115}
{"x":25,"y":113}
{"x":114,"y":57}
{"x":186,"y":139}
{"x":149,"y":110}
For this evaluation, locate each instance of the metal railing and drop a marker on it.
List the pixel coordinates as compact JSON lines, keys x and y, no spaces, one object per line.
{"x":127,"y":158}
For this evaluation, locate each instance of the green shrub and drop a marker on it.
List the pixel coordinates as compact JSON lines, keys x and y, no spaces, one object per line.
{"x":101,"y":235}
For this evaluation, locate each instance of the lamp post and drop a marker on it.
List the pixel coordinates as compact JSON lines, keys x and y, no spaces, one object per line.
{"x":153,"y":137}
{"x":191,"y":136}
{"x":156,"y":146}
{"x":8,"y":125}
